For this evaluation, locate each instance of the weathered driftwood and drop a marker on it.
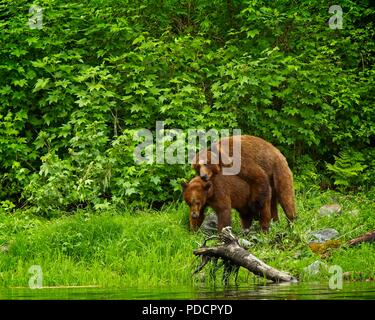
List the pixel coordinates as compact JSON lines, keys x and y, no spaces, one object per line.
{"x":231,"y":252}
{"x":369,"y":236}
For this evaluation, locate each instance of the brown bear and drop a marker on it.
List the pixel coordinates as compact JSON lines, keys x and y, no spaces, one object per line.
{"x":222,"y":193}
{"x":260,"y":161}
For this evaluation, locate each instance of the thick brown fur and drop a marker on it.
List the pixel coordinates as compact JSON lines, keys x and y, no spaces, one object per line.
{"x":260,"y":162}
{"x":222,"y":193}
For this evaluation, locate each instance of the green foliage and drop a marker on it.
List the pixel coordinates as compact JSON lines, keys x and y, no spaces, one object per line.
{"x":73,"y":93}
{"x":350,"y":169}
{"x":306,"y":174}
{"x":75,"y":181}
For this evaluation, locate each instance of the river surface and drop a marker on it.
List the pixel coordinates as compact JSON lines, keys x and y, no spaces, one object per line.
{"x":288,"y":291}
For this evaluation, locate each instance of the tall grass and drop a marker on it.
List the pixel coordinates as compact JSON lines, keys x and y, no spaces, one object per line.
{"x":106,"y":249}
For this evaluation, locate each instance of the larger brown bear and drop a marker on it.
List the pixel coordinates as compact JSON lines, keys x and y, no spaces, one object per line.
{"x":260,"y":162}
{"x":222,"y":193}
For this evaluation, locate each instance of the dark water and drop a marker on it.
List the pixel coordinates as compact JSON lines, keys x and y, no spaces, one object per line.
{"x":290,"y":291}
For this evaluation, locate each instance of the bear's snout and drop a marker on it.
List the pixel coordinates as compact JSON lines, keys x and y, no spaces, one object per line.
{"x":204,"y":177}
{"x":195,"y":215}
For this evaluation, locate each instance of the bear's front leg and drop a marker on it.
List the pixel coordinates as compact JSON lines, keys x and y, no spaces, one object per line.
{"x":223,"y":217}
{"x":246,"y":216}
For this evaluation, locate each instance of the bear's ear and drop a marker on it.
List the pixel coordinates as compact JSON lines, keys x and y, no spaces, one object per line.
{"x":184,"y":185}
{"x":216,"y":169}
{"x":195,"y":167}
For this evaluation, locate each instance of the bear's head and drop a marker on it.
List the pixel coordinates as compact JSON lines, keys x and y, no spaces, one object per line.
{"x":223,"y":156}
{"x":196,"y":193}
{"x":206,"y":164}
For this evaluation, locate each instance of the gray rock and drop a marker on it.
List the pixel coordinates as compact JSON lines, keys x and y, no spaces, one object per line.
{"x":245,"y":243}
{"x":323,"y":235}
{"x":330,"y":209}
{"x":315,"y":267}
{"x":209,"y":224}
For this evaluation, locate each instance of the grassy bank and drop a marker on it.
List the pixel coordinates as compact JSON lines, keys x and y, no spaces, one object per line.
{"x":123,"y":249}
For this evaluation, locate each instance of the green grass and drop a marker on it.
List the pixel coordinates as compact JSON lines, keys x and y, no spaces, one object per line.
{"x":106,"y":249}
{"x":154,"y":249}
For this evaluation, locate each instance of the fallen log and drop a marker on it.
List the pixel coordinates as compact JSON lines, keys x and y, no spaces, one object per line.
{"x":367,"y":237}
{"x":231,"y":252}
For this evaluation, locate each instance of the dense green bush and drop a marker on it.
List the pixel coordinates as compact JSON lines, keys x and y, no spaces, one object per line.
{"x":74,"y":92}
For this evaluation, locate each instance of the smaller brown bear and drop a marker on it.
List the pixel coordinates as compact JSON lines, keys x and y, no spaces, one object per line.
{"x":222,"y":193}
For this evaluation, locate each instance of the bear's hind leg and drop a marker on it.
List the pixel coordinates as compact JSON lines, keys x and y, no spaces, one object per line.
{"x":259,"y":184}
{"x":265,"y":218}
{"x":283,"y":179}
{"x":274,"y":214}
{"x":265,"y":210}
{"x":246,"y":216}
